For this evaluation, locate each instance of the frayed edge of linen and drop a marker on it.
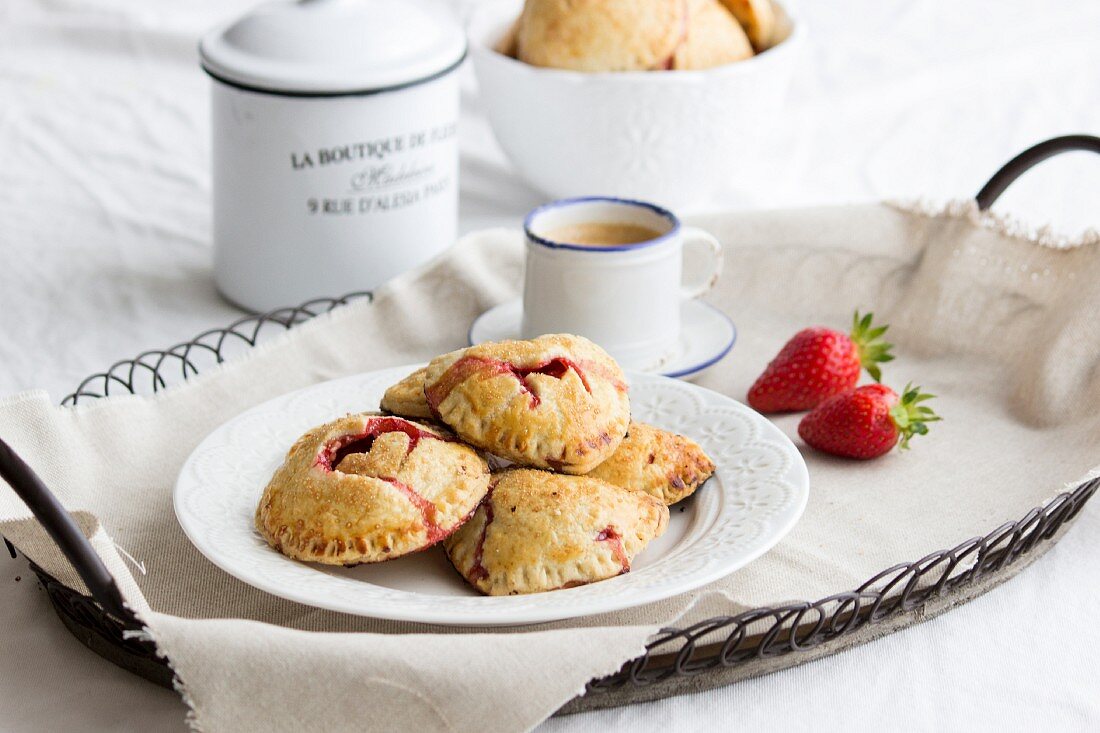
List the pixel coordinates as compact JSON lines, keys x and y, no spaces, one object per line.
{"x":192,"y":719}
{"x":1004,"y":224}
{"x":1089,"y":476}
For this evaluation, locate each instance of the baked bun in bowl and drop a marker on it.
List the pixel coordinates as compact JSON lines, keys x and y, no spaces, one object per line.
{"x":655,"y":122}
{"x":601,"y":35}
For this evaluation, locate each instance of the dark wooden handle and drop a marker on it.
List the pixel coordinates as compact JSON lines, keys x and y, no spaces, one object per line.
{"x":1028,"y":159}
{"x":60,"y":525}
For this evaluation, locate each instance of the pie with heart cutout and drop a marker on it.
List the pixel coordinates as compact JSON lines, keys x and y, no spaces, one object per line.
{"x":370,"y":487}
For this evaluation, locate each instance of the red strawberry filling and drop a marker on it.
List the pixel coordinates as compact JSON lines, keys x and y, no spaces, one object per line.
{"x":470,"y":366}
{"x":478,"y":571}
{"x":338,"y":449}
{"x":335,"y":451}
{"x":427,"y":509}
{"x":615,"y":541}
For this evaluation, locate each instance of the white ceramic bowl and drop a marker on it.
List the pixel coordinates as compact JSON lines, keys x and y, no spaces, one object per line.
{"x":671,"y":137}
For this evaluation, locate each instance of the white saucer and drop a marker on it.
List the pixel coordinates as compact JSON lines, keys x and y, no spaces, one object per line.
{"x":706,"y":336}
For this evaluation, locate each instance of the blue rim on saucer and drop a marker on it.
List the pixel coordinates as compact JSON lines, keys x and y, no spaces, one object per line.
{"x":707,"y":336}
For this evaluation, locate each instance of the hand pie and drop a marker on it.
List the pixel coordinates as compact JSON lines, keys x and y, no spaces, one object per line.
{"x":667,"y":466}
{"x":367,"y":488}
{"x":758,"y":19}
{"x":601,"y":35}
{"x":714,"y":37}
{"x":406,"y":398}
{"x":538,"y":531}
{"x":557,"y":402}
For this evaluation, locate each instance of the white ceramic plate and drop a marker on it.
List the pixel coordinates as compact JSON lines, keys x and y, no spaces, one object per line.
{"x":755,"y":497}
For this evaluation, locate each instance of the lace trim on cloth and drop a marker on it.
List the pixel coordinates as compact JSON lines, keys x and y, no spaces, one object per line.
{"x":1006,"y":224}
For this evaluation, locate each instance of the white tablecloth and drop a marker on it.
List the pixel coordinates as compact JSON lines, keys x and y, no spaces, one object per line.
{"x":104,"y":251}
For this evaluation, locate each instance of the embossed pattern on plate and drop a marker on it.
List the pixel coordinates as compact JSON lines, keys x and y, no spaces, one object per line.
{"x":758,"y":492}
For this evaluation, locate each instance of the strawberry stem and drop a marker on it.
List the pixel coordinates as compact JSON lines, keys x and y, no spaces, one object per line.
{"x":910,"y":416}
{"x":872,"y":352}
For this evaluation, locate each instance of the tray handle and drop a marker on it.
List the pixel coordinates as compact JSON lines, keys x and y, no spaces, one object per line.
{"x":1028,"y":159}
{"x":61,"y":527}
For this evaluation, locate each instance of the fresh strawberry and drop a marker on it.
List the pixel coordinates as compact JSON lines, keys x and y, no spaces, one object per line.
{"x":867,"y":422}
{"x":819,"y":363}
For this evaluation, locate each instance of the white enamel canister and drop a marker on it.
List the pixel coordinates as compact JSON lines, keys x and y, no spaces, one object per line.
{"x":335,"y":149}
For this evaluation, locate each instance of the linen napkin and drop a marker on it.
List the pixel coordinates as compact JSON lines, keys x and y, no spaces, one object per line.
{"x":996,"y":321}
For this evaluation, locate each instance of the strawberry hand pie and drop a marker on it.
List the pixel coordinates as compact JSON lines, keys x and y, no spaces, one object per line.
{"x":557,"y":402}
{"x":539,"y":531}
{"x":406,"y":398}
{"x":367,"y":488}
{"x":667,"y":466}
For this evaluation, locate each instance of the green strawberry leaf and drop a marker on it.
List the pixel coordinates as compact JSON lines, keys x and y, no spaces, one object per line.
{"x":910,"y":417}
{"x":872,"y":352}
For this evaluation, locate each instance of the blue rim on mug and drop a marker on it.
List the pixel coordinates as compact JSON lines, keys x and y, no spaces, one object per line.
{"x":560,"y":203}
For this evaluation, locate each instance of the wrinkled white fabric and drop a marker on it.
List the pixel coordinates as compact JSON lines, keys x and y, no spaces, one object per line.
{"x":103,"y":252}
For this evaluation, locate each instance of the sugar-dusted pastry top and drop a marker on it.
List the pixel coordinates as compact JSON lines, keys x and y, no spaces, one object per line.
{"x":713,"y":38}
{"x":665,"y":465}
{"x":557,"y":402}
{"x":538,"y":531}
{"x":601,"y":35}
{"x":406,"y":398}
{"x":370,"y":487}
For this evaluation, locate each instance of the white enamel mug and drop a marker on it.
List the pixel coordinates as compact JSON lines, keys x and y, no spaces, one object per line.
{"x":627,"y":298}
{"x":334,"y":145}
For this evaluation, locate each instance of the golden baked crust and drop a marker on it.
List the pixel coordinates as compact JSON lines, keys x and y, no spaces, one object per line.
{"x":557,"y":402}
{"x":538,"y":531}
{"x":758,"y":19}
{"x":601,"y":35}
{"x":507,"y":44}
{"x":714,"y":37}
{"x":367,"y":488}
{"x":667,"y":466}
{"x":406,"y":398}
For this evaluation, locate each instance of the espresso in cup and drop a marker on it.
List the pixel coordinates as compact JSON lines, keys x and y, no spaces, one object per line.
{"x":602,"y":234}
{"x":612,"y":270}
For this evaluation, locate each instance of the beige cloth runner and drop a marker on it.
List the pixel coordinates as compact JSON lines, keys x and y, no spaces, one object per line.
{"x":1000,"y":325}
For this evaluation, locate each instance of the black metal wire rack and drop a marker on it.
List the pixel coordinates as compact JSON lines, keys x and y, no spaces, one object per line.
{"x":102,"y":622}
{"x":152,"y":371}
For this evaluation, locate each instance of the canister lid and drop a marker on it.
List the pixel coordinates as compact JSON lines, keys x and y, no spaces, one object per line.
{"x":333,"y":47}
